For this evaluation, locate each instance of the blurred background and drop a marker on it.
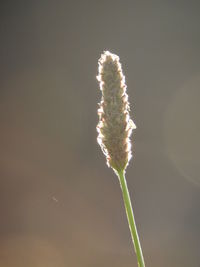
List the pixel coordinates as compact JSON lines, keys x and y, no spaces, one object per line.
{"x":60,"y":205}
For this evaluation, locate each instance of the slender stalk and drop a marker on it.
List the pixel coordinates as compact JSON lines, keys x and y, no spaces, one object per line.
{"x":131,"y":219}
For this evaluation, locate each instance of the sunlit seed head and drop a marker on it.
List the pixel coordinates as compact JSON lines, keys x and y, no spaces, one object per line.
{"x":115,"y":126}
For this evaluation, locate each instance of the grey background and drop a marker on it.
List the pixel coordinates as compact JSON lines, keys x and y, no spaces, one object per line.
{"x":59,"y":203}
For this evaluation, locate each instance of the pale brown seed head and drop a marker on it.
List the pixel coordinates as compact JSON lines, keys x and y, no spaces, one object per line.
{"x":115,"y":126}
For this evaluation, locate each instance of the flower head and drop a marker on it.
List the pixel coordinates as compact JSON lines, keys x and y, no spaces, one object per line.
{"x":115,"y":126}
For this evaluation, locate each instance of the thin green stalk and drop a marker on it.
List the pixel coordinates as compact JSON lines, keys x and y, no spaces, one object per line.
{"x":131,"y":219}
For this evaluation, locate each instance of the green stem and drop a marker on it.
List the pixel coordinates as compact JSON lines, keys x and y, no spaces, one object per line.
{"x":131,"y":219}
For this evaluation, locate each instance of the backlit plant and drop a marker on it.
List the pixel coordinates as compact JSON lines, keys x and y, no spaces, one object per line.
{"x":114,"y":131}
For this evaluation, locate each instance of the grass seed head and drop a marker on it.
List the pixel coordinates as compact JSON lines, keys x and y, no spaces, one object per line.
{"x":115,"y":126}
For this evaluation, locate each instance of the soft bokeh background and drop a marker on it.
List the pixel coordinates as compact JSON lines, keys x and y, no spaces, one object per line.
{"x":59,"y":203}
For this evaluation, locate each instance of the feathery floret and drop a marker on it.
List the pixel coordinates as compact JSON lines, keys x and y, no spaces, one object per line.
{"x":115,"y":126}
